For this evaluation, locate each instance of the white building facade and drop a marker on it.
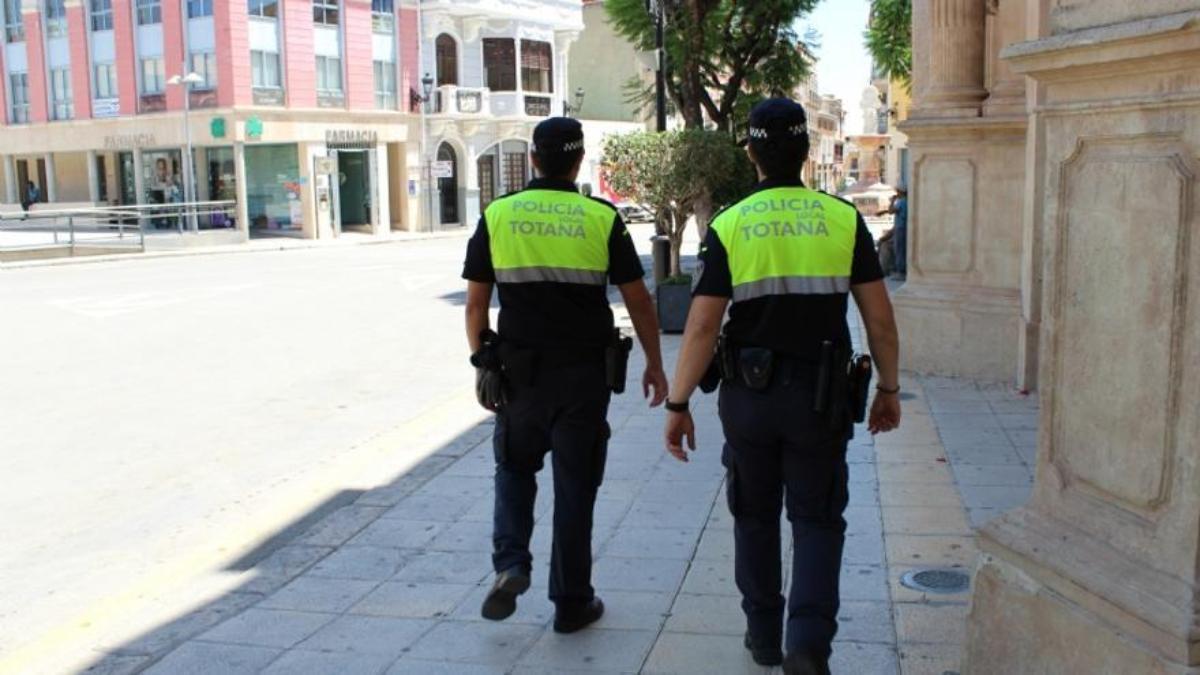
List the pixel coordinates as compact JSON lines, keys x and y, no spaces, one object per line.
{"x":497,"y":68}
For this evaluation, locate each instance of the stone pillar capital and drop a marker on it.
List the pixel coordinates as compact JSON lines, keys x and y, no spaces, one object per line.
{"x":949,"y":51}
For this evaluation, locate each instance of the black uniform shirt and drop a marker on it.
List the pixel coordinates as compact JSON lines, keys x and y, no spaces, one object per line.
{"x":795,"y":325}
{"x":555,"y":314}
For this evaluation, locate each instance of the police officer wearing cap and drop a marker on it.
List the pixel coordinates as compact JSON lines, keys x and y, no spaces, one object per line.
{"x":552,"y":252}
{"x":787,"y":257}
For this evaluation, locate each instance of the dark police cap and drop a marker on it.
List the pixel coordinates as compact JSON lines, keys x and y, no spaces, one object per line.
{"x":558,"y":134}
{"x":777,"y":121}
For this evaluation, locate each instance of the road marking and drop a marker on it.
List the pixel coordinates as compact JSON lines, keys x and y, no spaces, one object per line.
{"x":106,"y":306}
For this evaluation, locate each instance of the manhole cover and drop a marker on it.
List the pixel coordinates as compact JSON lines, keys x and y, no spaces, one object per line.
{"x":936,"y":581}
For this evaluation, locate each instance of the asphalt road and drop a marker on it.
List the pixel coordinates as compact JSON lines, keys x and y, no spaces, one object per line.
{"x":161,"y":418}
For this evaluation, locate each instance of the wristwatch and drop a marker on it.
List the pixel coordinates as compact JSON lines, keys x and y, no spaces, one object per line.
{"x":676,"y":407}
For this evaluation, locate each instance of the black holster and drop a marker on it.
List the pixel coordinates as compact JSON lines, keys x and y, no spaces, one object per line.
{"x":491,"y":386}
{"x":616,"y":361}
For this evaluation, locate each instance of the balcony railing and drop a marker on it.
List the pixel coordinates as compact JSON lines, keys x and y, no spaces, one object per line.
{"x":454,"y":100}
{"x":538,"y":106}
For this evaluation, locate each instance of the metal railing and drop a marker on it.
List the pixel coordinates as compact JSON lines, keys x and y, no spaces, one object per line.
{"x":101,"y":228}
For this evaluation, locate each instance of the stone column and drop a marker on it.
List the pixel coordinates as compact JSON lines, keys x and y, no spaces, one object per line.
{"x":139,"y":177}
{"x":951,"y":57}
{"x":11,"y":189}
{"x":51,"y":187}
{"x":242,"y":212}
{"x":93,"y":178}
{"x":1006,"y":88}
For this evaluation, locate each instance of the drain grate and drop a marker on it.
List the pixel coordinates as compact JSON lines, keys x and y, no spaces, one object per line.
{"x":936,"y":581}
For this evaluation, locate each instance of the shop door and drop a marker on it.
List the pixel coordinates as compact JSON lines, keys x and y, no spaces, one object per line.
{"x":128,"y":186}
{"x":354,"y":188}
{"x":448,"y":187}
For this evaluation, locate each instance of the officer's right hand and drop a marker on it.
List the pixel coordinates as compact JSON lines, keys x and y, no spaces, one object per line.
{"x":656,"y":379}
{"x":678,"y":426}
{"x":885,"y":413}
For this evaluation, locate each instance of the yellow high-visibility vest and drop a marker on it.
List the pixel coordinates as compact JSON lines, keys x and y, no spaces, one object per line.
{"x":788,"y":241}
{"x":549,"y":235}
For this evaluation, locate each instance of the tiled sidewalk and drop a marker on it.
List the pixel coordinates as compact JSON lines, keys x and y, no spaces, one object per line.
{"x":394,"y":582}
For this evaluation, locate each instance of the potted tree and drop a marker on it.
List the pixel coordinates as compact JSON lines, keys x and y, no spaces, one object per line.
{"x":674,"y":174}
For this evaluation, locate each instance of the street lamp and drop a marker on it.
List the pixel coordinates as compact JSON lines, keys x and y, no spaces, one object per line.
{"x":575,"y":108}
{"x":187,"y":82}
{"x":427,"y":89}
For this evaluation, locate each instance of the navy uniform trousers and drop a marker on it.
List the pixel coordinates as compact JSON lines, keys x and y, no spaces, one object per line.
{"x":778,"y":452}
{"x":562,"y":410}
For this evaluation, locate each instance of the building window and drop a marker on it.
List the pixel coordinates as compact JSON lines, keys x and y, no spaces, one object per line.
{"x":385,"y":85}
{"x":199,"y":8}
{"x":329,"y":75}
{"x":264,"y":69}
{"x":152,"y":76}
{"x":268,"y":9}
{"x":537,"y":67}
{"x":19,"y":107}
{"x":204,"y":64}
{"x":383,"y":16}
{"x":500,"y":64}
{"x":60,"y":92}
{"x":149,"y":12}
{"x":106,"y":80}
{"x":102,"y":17}
{"x":447,"y":60}
{"x":56,"y":18}
{"x":14,"y":25}
{"x":325,"y":12}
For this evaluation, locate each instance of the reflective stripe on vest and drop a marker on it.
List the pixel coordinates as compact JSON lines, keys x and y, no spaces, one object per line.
{"x":788,"y":241}
{"x":549,"y":235}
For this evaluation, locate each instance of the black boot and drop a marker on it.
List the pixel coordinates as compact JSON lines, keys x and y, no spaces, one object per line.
{"x":501,"y":601}
{"x":764,"y":654}
{"x":577,"y":618}
{"x":800,"y":662}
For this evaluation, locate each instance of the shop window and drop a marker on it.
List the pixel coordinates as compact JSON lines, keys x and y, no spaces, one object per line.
{"x":149,"y":12}
{"x":537,"y":67}
{"x":329,"y":75}
{"x":14,"y":25}
{"x":153,"y":80}
{"x":385,"y":85}
{"x":204,"y":64}
{"x":105,"y":77}
{"x":500,"y":64}
{"x":199,"y":8}
{"x":325,"y":12}
{"x":447,"y":60}
{"x":448,"y":187}
{"x":267,"y":9}
{"x":60,"y":94}
{"x":56,"y":18}
{"x":383,"y":16}
{"x":19,"y":89}
{"x":272,"y":186}
{"x":264,"y":69}
{"x":102,"y":16}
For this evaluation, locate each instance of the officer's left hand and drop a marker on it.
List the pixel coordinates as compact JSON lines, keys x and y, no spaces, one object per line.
{"x":654,"y":378}
{"x":678,"y":426}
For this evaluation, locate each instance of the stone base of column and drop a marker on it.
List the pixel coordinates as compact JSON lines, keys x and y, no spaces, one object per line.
{"x":958,"y":331}
{"x":1048,"y":599}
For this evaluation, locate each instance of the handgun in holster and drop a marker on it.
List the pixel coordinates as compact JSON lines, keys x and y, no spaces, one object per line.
{"x":616,"y":361}
{"x":490,"y":385}
{"x":832,"y":387}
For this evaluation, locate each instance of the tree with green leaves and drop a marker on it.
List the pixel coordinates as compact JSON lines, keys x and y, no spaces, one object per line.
{"x":722,"y":55}
{"x":673,"y":173}
{"x":889,"y":38}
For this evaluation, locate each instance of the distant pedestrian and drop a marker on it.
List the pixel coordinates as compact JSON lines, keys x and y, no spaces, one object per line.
{"x":899,"y":209}
{"x":33,"y":195}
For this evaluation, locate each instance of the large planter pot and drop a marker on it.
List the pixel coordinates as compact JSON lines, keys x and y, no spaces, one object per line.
{"x":673,"y":301}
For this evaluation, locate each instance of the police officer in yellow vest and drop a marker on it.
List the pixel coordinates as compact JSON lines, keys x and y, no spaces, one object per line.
{"x":787,"y":257}
{"x":552,"y":253}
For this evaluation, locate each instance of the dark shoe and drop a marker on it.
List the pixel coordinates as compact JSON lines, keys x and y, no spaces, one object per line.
{"x":763,"y":655}
{"x":501,"y":601}
{"x":803,"y":663}
{"x":569,"y":621}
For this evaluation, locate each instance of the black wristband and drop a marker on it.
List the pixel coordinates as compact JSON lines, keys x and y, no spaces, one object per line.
{"x":883,"y":390}
{"x":676,"y":407}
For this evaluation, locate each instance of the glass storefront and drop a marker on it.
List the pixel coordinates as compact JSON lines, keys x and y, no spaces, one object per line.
{"x":163,"y":183}
{"x":273,"y":188}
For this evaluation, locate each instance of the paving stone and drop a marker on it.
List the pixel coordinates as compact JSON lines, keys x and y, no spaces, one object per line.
{"x":478,"y":463}
{"x":268,"y":628}
{"x":592,"y":649}
{"x":318,"y":594}
{"x":926,"y":452}
{"x":713,"y":614}
{"x":863,"y":582}
{"x":996,"y":496}
{"x":407,"y":666}
{"x":207,"y":658}
{"x":925,"y":520}
{"x":919,"y":494}
{"x":309,"y":662}
{"x":388,"y":636}
{"x":463,"y":536}
{"x":928,"y":622}
{"x":447,"y":568}
{"x":864,"y":659}
{"x":469,"y":487}
{"x":489,"y":643}
{"x":638,"y":574}
{"x":861,"y":473}
{"x":864,"y":494}
{"x":610,"y":512}
{"x":395,"y":533}
{"x":634,"y":610}
{"x":361,"y":562}
{"x":866,"y":549}
{"x":715,"y":544}
{"x":991,"y":474}
{"x":1018,"y":421}
{"x":925,"y":550}
{"x":922,"y":659}
{"x":865,"y":621}
{"x":645,"y":542}
{"x":533,"y":608}
{"x":863,"y":520}
{"x":988,"y":455}
{"x":658,"y":514}
{"x":975,"y":437}
{"x":967,"y":405}
{"x":976,"y":421}
{"x":710,"y":577}
{"x":619,"y":489}
{"x":338,"y":527}
{"x":412,"y":599}
{"x":980,"y":517}
{"x":914,"y":472}
{"x":279,"y":568}
{"x":430,"y":507}
{"x":685,"y":653}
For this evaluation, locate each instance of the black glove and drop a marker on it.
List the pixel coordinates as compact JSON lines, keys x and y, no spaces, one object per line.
{"x":489,"y":373}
